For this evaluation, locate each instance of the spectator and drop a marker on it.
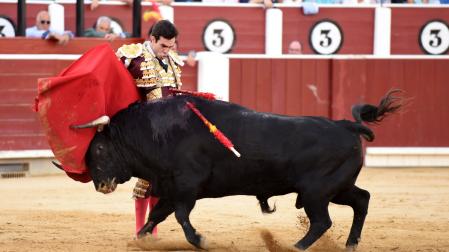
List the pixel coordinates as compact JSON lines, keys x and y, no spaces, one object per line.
{"x":95,"y":3}
{"x":103,"y":29}
{"x":42,"y":30}
{"x":190,"y":57}
{"x":220,"y":1}
{"x":266,"y":3}
{"x":295,"y":47}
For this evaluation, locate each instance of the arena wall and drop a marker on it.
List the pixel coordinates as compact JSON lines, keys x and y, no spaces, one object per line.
{"x":292,"y":85}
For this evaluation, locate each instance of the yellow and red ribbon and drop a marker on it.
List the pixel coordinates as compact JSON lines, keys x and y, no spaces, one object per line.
{"x":213,"y":129}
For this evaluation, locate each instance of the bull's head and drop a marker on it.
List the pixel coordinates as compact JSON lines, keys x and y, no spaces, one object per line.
{"x":103,"y":158}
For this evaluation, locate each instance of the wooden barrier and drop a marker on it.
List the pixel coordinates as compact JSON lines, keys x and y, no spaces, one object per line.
{"x":283,"y":86}
{"x":248,"y":22}
{"x":407,"y":23}
{"x":20,"y":128}
{"x":329,"y":87}
{"x":21,"y":45}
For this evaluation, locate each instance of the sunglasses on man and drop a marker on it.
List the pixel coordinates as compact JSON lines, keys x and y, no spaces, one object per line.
{"x":45,"y":21}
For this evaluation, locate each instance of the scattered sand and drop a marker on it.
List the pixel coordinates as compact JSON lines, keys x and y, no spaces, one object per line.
{"x":409,"y":211}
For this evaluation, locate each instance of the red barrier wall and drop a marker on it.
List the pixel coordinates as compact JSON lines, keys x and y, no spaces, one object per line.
{"x":357,"y":25}
{"x":21,"y":45}
{"x":248,"y":24}
{"x":292,"y":87}
{"x":423,"y":122}
{"x":286,"y":86}
{"x":19,"y":126}
{"x":406,"y":24}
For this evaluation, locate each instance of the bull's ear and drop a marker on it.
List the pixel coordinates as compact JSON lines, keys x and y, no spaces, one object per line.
{"x":100,"y":128}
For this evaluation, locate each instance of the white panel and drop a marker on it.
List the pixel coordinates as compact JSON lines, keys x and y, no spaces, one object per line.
{"x":382,"y":31}
{"x":407,"y":157}
{"x":56,"y":12}
{"x":213,"y":74}
{"x":167,"y":13}
{"x":273,"y":31}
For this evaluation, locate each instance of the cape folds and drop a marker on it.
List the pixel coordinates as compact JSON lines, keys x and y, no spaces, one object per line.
{"x":94,"y":85}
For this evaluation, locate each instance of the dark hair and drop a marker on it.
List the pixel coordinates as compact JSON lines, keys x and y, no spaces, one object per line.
{"x":163,"y":28}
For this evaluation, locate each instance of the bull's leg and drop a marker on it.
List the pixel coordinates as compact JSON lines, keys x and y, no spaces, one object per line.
{"x":358,"y":199}
{"x":182,"y":212}
{"x":320,"y":221}
{"x":298,"y":203}
{"x":160,"y":212}
{"x":264,"y":206}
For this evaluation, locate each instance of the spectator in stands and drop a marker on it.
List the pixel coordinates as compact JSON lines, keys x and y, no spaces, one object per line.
{"x":324,"y":1}
{"x":295,"y":47}
{"x":266,"y":3}
{"x":103,"y":29}
{"x":190,"y":57}
{"x":42,"y":30}
{"x":95,"y":3}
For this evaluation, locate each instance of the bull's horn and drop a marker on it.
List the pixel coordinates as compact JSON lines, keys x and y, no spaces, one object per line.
{"x":84,"y":177}
{"x":100,"y":122}
{"x":57,"y":165}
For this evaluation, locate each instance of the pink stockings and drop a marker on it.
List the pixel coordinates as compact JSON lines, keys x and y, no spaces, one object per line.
{"x":141,"y":210}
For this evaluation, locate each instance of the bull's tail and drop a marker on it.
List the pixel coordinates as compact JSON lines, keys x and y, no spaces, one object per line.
{"x":389,"y":104}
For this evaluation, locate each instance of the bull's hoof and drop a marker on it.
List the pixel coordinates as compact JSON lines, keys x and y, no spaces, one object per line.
{"x":198,"y":241}
{"x":203,"y":243}
{"x":351,"y":248}
{"x":300,"y":247}
{"x":141,"y":235}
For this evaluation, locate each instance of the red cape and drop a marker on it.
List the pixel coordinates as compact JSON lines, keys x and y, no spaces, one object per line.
{"x":94,"y":85}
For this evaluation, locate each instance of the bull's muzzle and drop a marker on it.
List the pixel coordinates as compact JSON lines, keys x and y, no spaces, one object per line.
{"x":107,"y":187}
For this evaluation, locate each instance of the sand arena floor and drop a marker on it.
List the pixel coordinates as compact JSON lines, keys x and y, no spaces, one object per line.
{"x":409,"y":211}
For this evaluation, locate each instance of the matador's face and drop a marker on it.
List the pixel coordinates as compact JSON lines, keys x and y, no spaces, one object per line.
{"x":162,"y":46}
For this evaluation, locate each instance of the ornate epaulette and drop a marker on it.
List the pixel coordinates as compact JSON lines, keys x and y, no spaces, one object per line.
{"x":175,"y":57}
{"x":130,"y":51}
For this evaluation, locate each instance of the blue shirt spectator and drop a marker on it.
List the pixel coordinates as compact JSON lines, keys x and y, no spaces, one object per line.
{"x":42,"y":30}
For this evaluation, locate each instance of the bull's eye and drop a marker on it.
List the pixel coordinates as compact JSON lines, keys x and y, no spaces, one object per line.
{"x":99,"y":149}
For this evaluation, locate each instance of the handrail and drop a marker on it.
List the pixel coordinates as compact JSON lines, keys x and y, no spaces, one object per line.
{"x":22,"y":45}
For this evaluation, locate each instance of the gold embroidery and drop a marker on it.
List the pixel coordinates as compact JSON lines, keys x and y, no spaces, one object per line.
{"x":131,"y":51}
{"x":154,"y":75}
{"x":154,"y":94}
{"x":141,"y":188}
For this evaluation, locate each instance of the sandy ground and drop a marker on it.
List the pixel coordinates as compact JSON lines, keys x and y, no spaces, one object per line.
{"x":409,"y":211}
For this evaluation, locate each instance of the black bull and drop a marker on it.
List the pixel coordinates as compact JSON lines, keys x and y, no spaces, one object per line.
{"x":166,"y":143}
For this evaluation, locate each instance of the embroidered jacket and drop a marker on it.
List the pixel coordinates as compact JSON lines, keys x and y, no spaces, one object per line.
{"x":147,"y":71}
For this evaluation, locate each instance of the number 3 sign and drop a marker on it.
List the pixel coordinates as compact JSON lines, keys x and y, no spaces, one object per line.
{"x":219,"y":36}
{"x":6,"y":27}
{"x":325,"y":37}
{"x":434,"y":37}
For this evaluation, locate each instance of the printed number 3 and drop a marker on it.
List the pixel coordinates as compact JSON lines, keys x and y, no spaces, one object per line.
{"x":218,"y":40}
{"x":1,"y":31}
{"x":435,"y":39}
{"x":327,"y":40}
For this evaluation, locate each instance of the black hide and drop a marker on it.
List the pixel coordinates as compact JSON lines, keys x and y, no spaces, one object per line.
{"x":166,"y":143}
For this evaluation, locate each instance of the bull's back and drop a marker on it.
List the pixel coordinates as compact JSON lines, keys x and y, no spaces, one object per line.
{"x":277,"y":152}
